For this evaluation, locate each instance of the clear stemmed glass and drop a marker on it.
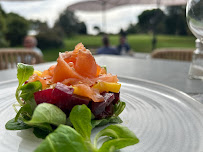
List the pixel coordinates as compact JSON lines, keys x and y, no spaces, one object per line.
{"x":194,"y":15}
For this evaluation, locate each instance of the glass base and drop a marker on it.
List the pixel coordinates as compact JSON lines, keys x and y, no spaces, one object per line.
{"x":196,"y":72}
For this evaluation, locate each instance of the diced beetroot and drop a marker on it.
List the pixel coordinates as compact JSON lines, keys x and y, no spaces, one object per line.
{"x":62,"y":89}
{"x":117,"y":97}
{"x":98,"y":107}
{"x":61,"y":96}
{"x":43,"y":96}
{"x":78,"y":100}
{"x":107,"y":113}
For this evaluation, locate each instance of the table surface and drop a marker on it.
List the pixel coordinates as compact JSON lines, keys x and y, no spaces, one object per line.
{"x":167,"y":72}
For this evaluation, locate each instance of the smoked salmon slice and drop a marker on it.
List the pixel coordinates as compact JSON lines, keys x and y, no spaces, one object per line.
{"x":63,"y":70}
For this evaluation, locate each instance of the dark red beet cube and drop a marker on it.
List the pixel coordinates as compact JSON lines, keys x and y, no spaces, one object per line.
{"x":61,"y":96}
{"x":78,"y":100}
{"x":107,"y":113}
{"x":99,"y":107}
{"x":43,"y":96}
{"x":117,"y":97}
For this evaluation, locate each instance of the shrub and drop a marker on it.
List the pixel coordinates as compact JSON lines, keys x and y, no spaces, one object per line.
{"x":49,"y":39}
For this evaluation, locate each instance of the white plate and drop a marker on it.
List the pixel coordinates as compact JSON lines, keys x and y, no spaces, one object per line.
{"x":164,"y":119}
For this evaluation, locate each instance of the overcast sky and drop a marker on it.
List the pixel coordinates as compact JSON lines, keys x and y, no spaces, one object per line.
{"x":49,"y":10}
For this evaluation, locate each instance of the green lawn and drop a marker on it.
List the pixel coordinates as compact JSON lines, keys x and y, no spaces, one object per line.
{"x":139,"y":43}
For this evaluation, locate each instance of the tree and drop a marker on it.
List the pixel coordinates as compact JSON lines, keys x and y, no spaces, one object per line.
{"x":96,"y":28}
{"x":122,"y":32}
{"x":82,"y":29}
{"x":133,"y":28}
{"x":2,"y":20}
{"x":67,"y":22}
{"x":3,"y":42}
{"x":38,"y":26}
{"x":49,"y":39}
{"x":2,"y":12}
{"x":176,"y":21}
{"x":150,"y":20}
{"x":17,"y":28}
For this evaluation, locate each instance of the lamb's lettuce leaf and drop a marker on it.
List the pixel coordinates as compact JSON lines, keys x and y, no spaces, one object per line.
{"x":45,"y":118}
{"x":47,"y":113}
{"x":25,"y":92}
{"x":80,"y":117}
{"x":119,"y":137}
{"x":41,"y":132}
{"x":64,"y":138}
{"x":25,"y":112}
{"x":28,"y":91}
{"x":23,"y":73}
{"x":16,"y":124}
{"x":119,"y":107}
{"x":102,"y":122}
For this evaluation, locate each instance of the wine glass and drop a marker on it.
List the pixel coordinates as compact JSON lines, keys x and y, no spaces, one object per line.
{"x":194,"y":15}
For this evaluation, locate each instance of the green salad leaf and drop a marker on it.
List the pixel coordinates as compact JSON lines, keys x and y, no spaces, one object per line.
{"x":16,"y":124}
{"x":80,"y":117}
{"x":23,"y":74}
{"x":63,"y":139}
{"x":102,"y":122}
{"x":119,"y":137}
{"x":25,"y":112}
{"x":41,"y":132}
{"x":119,"y":107}
{"x":28,"y":91}
{"x":47,"y":113}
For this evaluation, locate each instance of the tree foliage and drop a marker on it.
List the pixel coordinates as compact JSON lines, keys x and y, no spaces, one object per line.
{"x":151,"y":19}
{"x":70,"y":25}
{"x":82,"y":29}
{"x":38,"y":26}
{"x":171,"y":21}
{"x":2,"y":22}
{"x":97,"y":29}
{"x":3,"y":41}
{"x":176,"y":21}
{"x":47,"y":37}
{"x":17,"y":28}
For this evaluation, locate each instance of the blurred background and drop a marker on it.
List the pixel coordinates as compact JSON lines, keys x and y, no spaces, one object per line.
{"x":60,"y":25}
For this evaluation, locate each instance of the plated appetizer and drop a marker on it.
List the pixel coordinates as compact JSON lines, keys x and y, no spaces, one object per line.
{"x":77,"y":79}
{"x":75,"y":92}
